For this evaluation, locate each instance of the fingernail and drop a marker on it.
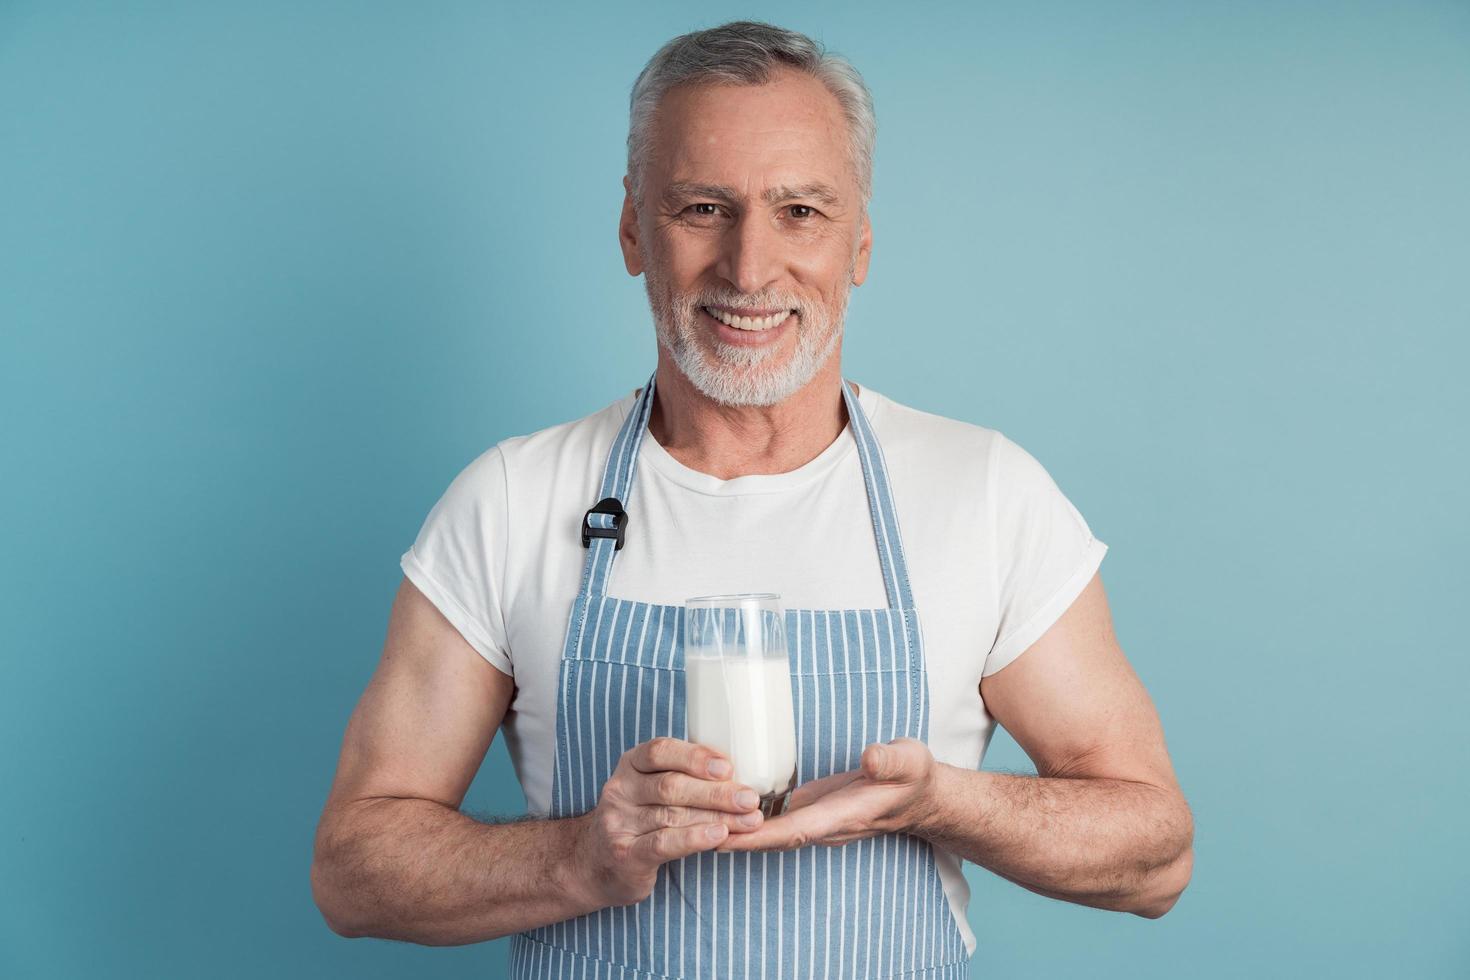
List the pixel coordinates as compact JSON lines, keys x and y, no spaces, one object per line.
{"x":718,"y":768}
{"x":747,"y":799}
{"x":715,"y":831}
{"x":750,"y":819}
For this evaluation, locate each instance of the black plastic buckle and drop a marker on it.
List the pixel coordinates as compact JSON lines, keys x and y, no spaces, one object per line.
{"x":607,"y":505}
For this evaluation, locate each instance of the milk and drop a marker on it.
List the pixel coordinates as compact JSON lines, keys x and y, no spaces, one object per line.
{"x":741,"y":706}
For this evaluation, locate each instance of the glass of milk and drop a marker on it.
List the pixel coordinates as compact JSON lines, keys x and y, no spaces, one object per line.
{"x":739,"y":689}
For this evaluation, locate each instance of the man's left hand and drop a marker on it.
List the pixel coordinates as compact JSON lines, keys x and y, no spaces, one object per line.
{"x":891,"y":792}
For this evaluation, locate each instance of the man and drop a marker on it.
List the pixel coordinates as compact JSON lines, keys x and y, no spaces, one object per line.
{"x":936,"y":580}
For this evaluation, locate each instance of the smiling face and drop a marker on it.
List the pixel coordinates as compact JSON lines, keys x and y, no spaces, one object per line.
{"x":751,"y":235}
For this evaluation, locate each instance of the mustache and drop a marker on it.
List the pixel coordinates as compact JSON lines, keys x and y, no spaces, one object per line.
{"x":760,"y":301}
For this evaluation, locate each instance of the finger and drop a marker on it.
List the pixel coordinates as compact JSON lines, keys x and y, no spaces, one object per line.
{"x":829,"y":825}
{"x":875,"y":763}
{"x":680,"y":789}
{"x":900,"y":761}
{"x":676,"y":755}
{"x":781,"y":833}
{"x":834,"y":818}
{"x":648,"y":819}
{"x":808,"y":793}
{"x":673,"y":843}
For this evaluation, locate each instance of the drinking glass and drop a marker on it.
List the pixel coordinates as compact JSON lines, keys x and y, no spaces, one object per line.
{"x":739,"y":689}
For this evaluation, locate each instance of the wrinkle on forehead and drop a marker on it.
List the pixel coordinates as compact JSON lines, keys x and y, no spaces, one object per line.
{"x":682,"y":190}
{"x":791,"y":131}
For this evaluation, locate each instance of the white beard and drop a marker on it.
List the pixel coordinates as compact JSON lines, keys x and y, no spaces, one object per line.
{"x":740,"y":375}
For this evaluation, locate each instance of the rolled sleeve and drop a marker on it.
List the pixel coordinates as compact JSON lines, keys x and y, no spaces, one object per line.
{"x":458,"y":559}
{"x":1045,"y":552}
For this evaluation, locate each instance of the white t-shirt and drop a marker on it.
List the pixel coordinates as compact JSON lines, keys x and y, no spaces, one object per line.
{"x":995,"y":553}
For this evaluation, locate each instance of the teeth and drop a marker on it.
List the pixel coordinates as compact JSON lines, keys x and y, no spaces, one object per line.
{"x":747,"y":322}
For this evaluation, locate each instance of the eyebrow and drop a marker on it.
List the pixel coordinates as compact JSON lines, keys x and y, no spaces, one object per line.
{"x":816,"y":191}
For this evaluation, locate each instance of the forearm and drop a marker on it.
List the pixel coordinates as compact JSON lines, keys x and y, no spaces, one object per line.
{"x":1105,"y":843}
{"x":419,"y":871}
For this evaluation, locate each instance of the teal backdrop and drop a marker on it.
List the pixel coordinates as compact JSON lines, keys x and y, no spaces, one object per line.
{"x":272,"y":273}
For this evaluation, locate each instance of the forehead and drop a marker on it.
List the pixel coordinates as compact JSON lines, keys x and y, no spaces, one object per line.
{"x":790,"y":130}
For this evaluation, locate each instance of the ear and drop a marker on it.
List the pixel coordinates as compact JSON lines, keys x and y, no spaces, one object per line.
{"x":865,"y":252}
{"x":628,"y":232}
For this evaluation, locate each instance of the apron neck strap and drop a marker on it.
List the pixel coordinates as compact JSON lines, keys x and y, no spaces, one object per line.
{"x":880,"y":505}
{"x":622,"y":466}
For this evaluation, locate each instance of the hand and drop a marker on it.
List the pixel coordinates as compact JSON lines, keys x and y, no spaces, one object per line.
{"x":666,"y":799}
{"x":889,"y":793}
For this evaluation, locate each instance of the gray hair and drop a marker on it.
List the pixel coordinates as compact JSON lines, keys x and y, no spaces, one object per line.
{"x":745,"y":52}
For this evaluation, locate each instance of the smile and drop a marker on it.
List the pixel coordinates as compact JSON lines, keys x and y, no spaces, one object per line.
{"x":755,"y":323}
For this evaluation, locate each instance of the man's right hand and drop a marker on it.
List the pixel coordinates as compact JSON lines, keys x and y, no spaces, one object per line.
{"x":666,"y":799}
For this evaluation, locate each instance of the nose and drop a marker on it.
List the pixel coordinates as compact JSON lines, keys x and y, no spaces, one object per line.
{"x":750,"y":255}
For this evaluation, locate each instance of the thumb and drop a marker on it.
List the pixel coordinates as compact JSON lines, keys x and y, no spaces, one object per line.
{"x":895,"y":761}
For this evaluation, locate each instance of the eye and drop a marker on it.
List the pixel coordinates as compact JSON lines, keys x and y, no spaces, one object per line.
{"x":714,"y":209}
{"x":806,"y":211}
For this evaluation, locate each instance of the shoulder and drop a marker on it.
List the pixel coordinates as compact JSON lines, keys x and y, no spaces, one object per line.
{"x":560,"y":459}
{"x":596,"y":429}
{"x":521,"y":463}
{"x":963,"y":456}
{"x":921,"y":442}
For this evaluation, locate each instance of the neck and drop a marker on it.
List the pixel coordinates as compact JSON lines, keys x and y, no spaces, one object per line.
{"x":728,"y":441}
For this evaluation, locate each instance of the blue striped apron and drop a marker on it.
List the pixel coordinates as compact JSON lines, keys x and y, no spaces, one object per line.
{"x":872,"y":908}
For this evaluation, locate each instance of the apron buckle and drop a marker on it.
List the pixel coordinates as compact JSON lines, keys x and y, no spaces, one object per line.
{"x":611,"y":521}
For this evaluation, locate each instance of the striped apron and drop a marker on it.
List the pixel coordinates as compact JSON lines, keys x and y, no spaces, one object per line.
{"x":871,"y":908}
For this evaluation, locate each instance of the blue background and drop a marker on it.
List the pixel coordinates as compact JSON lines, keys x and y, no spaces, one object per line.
{"x":272,"y":273}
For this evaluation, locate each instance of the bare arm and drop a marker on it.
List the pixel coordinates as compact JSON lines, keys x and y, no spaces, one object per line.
{"x":1104,"y":822}
{"x":394,"y":856}
{"x":396,"y":859}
